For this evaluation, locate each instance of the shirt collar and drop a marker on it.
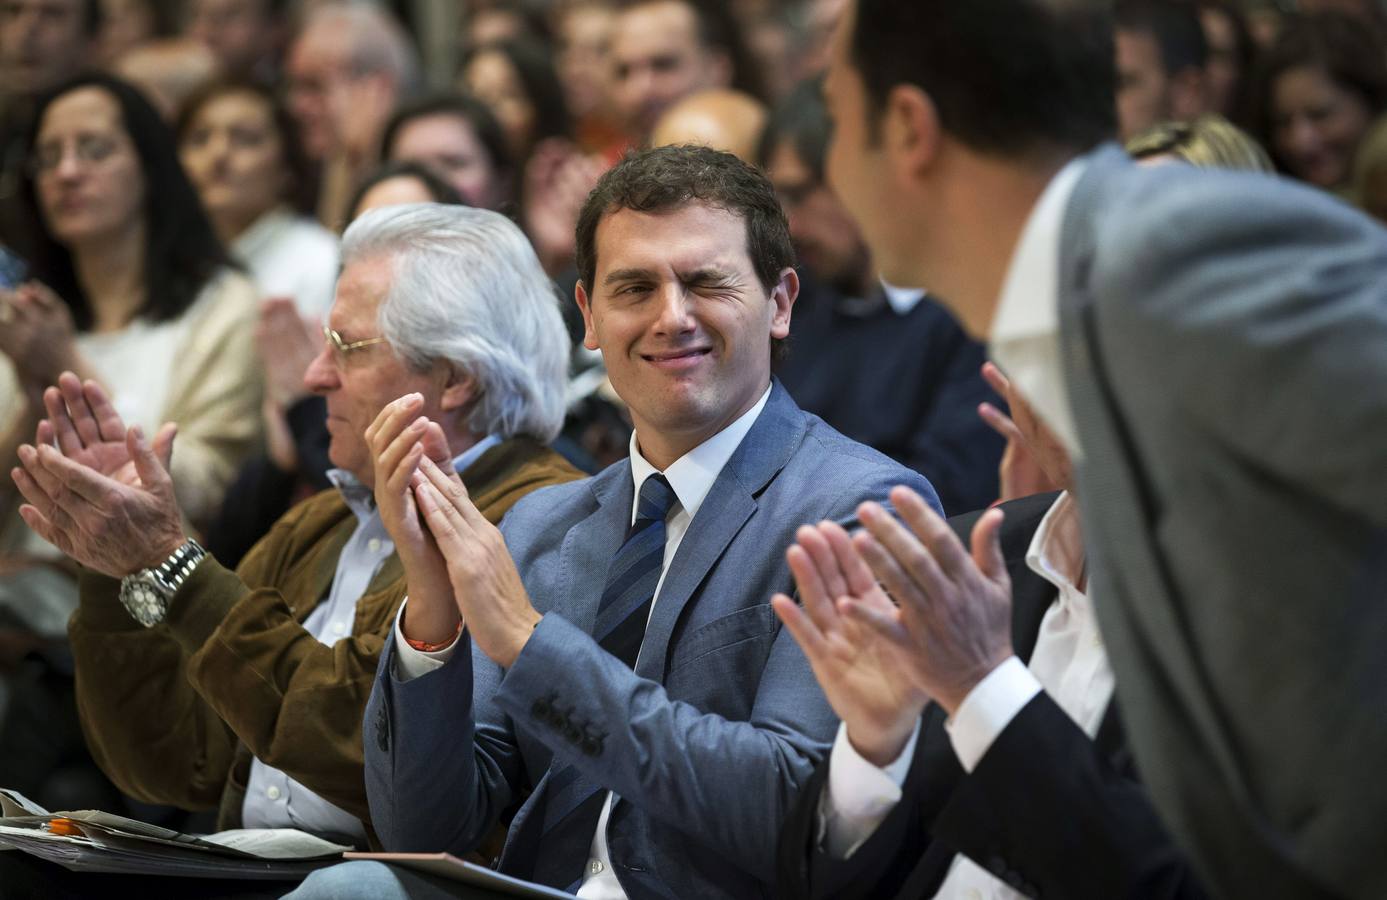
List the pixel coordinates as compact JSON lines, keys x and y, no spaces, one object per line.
{"x":902,"y":300}
{"x":1056,"y":552}
{"x":691,"y":476}
{"x":1029,"y":305}
{"x":361,"y":499}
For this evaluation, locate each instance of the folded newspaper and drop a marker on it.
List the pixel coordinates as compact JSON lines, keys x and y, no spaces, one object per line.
{"x":93,"y":841}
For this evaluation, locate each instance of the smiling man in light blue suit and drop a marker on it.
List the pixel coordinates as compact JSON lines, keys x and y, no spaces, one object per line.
{"x":622,"y":685}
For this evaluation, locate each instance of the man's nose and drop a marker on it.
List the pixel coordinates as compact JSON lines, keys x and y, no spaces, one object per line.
{"x":675,"y":310}
{"x":321,"y":374}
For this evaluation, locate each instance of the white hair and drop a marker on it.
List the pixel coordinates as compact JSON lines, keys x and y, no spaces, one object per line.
{"x":467,"y":289}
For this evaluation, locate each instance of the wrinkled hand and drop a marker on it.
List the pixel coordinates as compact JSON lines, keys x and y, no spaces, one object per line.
{"x":1033,"y":462}
{"x":490,"y":595}
{"x":287,"y":344}
{"x":112,"y":526}
{"x":952,"y":623}
{"x":399,"y":438}
{"x":87,"y":429}
{"x":38,"y":334}
{"x":856,"y":670}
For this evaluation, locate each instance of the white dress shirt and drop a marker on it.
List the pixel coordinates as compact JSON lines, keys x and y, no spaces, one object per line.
{"x":691,"y":477}
{"x":1025,"y":330}
{"x":1068,"y":662}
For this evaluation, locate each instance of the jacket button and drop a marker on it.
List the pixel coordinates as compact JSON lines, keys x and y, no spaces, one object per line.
{"x":383,"y":731}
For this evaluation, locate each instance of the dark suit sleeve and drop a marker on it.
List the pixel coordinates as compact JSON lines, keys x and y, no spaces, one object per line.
{"x":1045,"y":812}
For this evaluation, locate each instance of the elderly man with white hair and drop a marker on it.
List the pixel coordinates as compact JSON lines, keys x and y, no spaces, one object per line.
{"x":203,"y":687}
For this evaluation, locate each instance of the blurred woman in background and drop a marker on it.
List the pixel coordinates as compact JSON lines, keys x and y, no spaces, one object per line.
{"x":1316,"y":93}
{"x":459,"y":139}
{"x":241,"y":152}
{"x":128,"y":286}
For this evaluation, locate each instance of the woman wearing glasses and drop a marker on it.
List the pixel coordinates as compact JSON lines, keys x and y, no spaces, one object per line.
{"x":129,"y":286}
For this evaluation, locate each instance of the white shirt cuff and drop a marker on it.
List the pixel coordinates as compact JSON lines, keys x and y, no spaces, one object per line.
{"x":411,"y":663}
{"x":859,"y":795}
{"x":988,"y":709}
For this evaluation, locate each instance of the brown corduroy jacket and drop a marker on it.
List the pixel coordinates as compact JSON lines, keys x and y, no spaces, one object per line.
{"x":174,"y":713}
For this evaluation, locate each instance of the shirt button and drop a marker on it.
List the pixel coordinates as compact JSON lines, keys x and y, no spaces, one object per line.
{"x":338,"y":628}
{"x":373,"y":545}
{"x":595,"y":867}
{"x":272,"y":792}
{"x":974,"y":894}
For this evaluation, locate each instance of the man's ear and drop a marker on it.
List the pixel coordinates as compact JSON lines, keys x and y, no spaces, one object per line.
{"x":783,"y":297}
{"x":585,"y":306}
{"x":910,"y":130}
{"x":459,"y":391}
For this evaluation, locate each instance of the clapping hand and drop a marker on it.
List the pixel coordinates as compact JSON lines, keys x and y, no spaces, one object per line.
{"x":103,"y":495}
{"x":399,"y":438}
{"x":1034,"y":461}
{"x":490,"y":596}
{"x":855,"y":669}
{"x":37,"y":334}
{"x":951,"y":625}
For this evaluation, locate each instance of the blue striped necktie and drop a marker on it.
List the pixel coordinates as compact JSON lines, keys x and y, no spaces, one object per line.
{"x":575,"y":804}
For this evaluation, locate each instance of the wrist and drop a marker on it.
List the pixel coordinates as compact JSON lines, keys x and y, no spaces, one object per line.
{"x":423,"y":625}
{"x":161,"y":550}
{"x":517,"y":639}
{"x":882,"y":745}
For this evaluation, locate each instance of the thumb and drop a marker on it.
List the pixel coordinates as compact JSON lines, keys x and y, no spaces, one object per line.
{"x":987,"y":544}
{"x":436,"y":446}
{"x":149,"y":467}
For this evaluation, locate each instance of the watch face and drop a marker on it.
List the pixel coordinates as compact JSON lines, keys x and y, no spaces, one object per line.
{"x":144,"y":603}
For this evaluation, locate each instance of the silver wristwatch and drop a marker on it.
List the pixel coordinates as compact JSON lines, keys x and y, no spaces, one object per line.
{"x":146,"y":594}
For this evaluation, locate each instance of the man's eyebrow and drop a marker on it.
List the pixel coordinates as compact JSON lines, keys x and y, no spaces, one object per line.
{"x":708,"y":274}
{"x":628,"y":275}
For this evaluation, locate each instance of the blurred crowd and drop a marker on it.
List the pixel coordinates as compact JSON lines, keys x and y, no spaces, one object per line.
{"x":174,"y":177}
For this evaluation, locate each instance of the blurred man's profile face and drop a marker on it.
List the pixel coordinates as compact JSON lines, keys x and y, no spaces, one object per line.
{"x":855,"y":163}
{"x":658,"y":59}
{"x":42,"y":43}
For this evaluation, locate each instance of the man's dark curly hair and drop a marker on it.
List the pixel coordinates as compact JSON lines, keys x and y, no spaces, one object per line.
{"x":666,"y":178}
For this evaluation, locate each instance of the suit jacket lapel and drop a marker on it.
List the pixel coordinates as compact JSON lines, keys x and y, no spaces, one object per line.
{"x":729,"y":504}
{"x":589,"y":545}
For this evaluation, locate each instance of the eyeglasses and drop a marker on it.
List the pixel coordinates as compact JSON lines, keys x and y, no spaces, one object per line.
{"x":342,"y":348}
{"x":89,"y":149}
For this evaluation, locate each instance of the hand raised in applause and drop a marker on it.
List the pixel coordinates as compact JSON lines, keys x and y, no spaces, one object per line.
{"x":399,"y":438}
{"x":37,"y":335}
{"x":951,"y":625}
{"x":489,"y":593}
{"x":1034,"y":461}
{"x":287,"y":343}
{"x":853,"y":665}
{"x":103,"y":496}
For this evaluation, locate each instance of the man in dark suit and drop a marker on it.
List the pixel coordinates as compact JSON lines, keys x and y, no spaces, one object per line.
{"x":1026,"y":785}
{"x":645,"y":714}
{"x":1236,"y":533}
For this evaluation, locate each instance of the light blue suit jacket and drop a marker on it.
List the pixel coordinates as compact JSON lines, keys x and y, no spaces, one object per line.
{"x":1225,"y":340}
{"x":706,"y":743}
